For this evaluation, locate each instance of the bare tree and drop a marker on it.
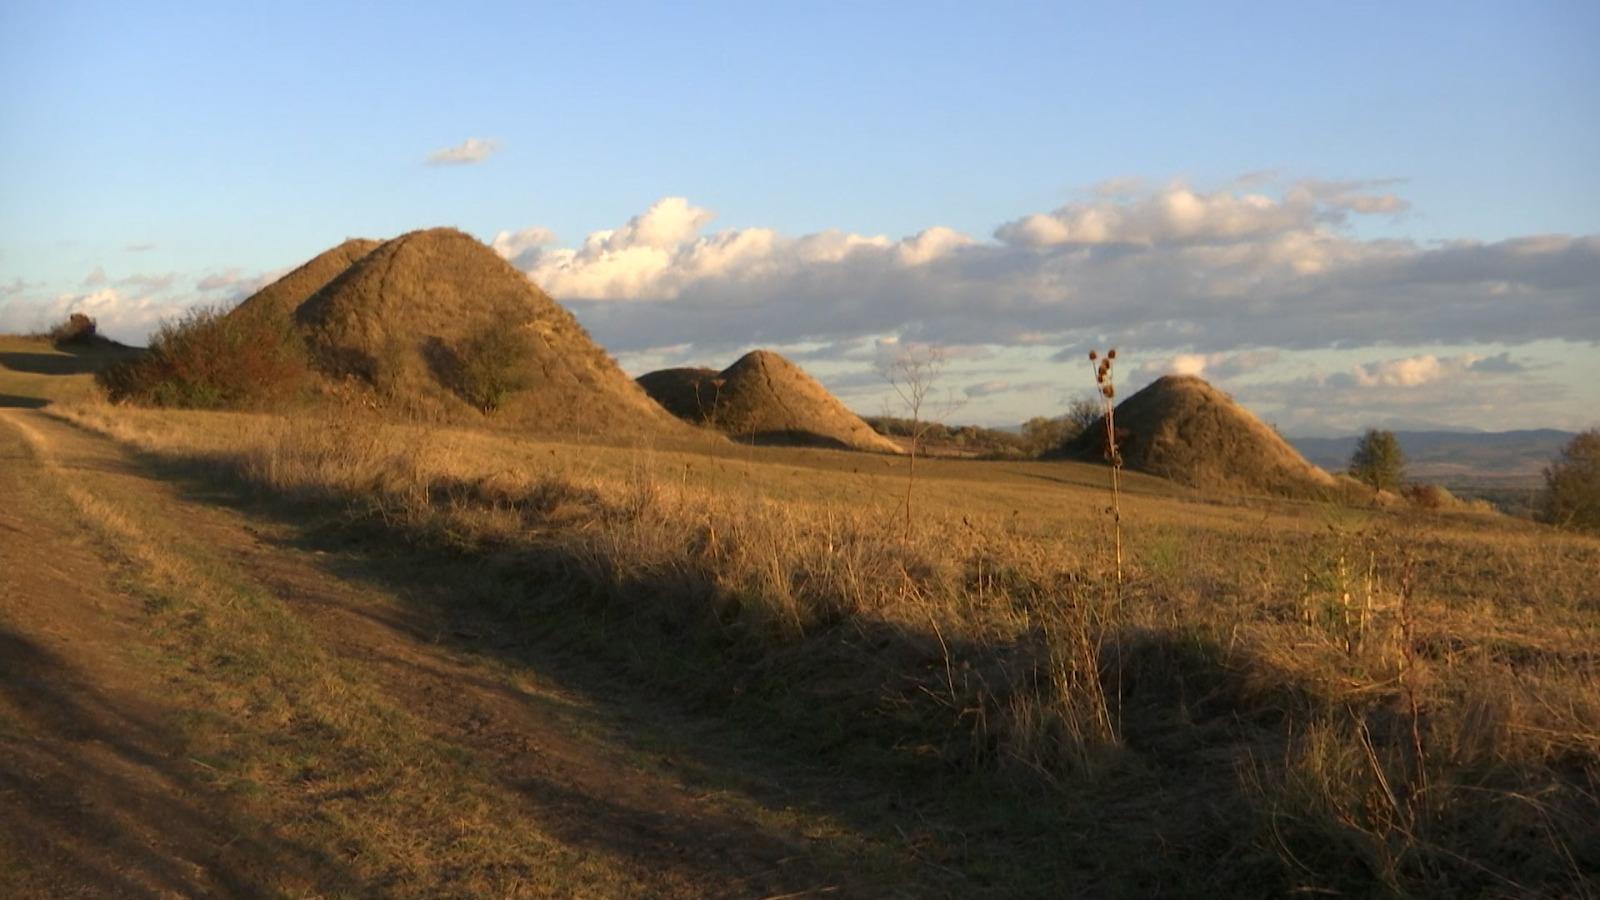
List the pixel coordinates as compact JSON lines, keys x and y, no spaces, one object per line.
{"x":913,"y":372}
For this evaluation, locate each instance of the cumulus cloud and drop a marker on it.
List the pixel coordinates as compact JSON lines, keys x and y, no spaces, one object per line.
{"x":1211,"y":365}
{"x":1168,"y":270}
{"x":1179,"y":214}
{"x":522,"y":248}
{"x":1414,"y":371}
{"x":148,"y":283}
{"x":986,"y":388}
{"x":663,"y":253}
{"x":1422,"y":391}
{"x":468,"y":152}
{"x":119,"y":315}
{"x":996,"y":386}
{"x":1499,"y":364}
{"x":219,"y":281}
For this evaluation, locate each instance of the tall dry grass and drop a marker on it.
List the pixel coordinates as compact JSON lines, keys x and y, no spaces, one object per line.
{"x":1369,"y":700}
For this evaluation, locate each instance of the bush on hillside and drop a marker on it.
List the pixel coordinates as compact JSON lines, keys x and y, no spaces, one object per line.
{"x":1042,"y":434}
{"x":77,"y":329}
{"x":1429,"y":496}
{"x":1378,"y":461}
{"x":489,"y":364}
{"x":210,"y":359}
{"x":970,"y":438}
{"x":1572,"y":484}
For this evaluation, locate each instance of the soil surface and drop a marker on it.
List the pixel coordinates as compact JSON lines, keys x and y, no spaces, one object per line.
{"x":101,"y":798}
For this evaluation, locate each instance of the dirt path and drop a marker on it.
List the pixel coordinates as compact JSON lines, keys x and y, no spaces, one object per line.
{"x":103,"y":799}
{"x":99,"y":797}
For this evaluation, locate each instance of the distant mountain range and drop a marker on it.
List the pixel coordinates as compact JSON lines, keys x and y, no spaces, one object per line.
{"x":1486,"y":458}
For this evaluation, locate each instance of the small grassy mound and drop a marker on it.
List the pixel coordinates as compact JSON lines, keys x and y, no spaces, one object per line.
{"x":764,"y":398}
{"x":435,"y":324}
{"x":1182,"y":428}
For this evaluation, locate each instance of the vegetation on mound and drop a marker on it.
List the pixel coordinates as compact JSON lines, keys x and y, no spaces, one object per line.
{"x":407,"y":324}
{"x":956,"y":440}
{"x":1340,"y":702}
{"x":77,"y":329}
{"x":763,"y":398}
{"x":208,"y":359}
{"x":282,"y":297}
{"x":1182,"y":428}
{"x":1572,"y":484}
{"x":1378,"y":461}
{"x":430,"y":325}
{"x":488,"y":365}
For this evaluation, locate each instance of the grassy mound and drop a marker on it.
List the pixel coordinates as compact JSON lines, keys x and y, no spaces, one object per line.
{"x":434,"y":323}
{"x":1182,"y":428}
{"x":282,"y":297}
{"x":766,"y":399}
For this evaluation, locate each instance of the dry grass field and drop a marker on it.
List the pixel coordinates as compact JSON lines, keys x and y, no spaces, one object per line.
{"x":1280,"y":695}
{"x":430,"y":660}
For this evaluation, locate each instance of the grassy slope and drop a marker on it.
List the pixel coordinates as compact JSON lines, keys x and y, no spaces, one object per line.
{"x":305,"y":765}
{"x":1257,"y":692}
{"x":34,"y":373}
{"x":1283,"y":696}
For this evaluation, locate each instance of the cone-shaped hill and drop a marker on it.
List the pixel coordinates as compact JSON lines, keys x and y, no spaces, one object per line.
{"x":435,"y":323}
{"x":282,"y":297}
{"x":1182,"y":428}
{"x":766,"y":399}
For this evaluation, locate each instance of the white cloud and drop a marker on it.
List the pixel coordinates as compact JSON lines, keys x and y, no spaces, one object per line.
{"x":1209,"y":365}
{"x":522,"y":248}
{"x":149,"y":283}
{"x":219,"y":281}
{"x":1168,"y":271}
{"x":470,"y":151}
{"x":662,"y":253}
{"x":1422,"y":391}
{"x":986,"y":388}
{"x":1414,"y":371}
{"x":126,"y":318}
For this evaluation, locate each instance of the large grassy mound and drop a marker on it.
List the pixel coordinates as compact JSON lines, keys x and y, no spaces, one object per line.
{"x":435,"y":323}
{"x":282,"y":297}
{"x":763,"y":398}
{"x":1182,"y":428}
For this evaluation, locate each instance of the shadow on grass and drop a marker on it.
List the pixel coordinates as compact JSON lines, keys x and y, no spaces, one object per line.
{"x":862,"y":721}
{"x":98,"y":800}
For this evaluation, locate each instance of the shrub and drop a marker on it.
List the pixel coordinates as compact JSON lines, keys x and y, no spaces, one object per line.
{"x":1378,"y":460}
{"x":1572,"y":484}
{"x":77,"y":329}
{"x":491,"y":363}
{"x":1429,"y":496}
{"x":210,"y":359}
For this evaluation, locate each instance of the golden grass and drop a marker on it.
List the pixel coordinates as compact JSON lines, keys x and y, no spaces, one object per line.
{"x":34,"y":372}
{"x":1371,"y":700}
{"x":310,"y":746}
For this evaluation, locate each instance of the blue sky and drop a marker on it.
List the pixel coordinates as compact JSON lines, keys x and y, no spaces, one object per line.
{"x":224,"y":142}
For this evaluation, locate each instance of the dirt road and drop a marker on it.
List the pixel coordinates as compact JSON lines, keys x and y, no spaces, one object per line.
{"x":134,"y":762}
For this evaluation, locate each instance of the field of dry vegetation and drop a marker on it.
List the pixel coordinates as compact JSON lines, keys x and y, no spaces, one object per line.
{"x":1280,"y":696}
